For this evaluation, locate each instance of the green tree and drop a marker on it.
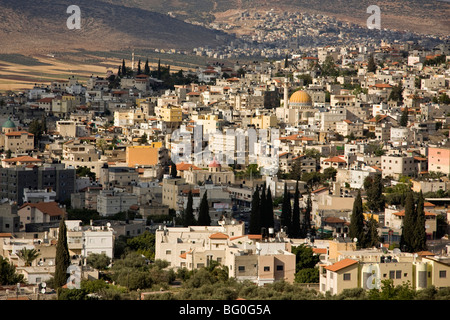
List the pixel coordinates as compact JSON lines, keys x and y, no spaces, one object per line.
{"x":139,"y":70}
{"x":8,"y":275}
{"x":296,"y":169}
{"x":173,"y":170}
{"x":375,"y":197}
{"x":37,"y":129}
{"x":62,"y":259}
{"x":372,"y":239}
{"x":420,"y":236}
{"x":396,"y":93}
{"x":124,"y":68}
{"x":269,"y":219}
{"x":143,"y":139}
{"x":307,"y":215}
{"x":189,"y":219}
{"x":98,"y":261}
{"x":295,"y":227}
{"x":255,"y":214}
{"x":356,"y":229}
{"x":28,"y":256}
{"x":286,"y":210}
{"x":404,"y":117}
{"x":408,"y":227}
{"x":203,"y":216}
{"x":371,"y":65}
{"x":146,"y":68}
{"x":306,"y":270}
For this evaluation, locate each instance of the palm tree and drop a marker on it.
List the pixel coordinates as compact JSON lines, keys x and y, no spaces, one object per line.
{"x":28,"y":256}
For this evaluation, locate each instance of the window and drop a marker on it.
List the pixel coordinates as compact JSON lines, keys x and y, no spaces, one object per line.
{"x":168,"y":252}
{"x":442,"y":274}
{"x":392,"y":274}
{"x":241,"y":268}
{"x":347,"y":276}
{"x":280,"y":267}
{"x":398,"y":274}
{"x":266,"y":269}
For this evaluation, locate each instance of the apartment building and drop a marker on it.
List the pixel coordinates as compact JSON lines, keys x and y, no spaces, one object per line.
{"x":246,"y":256}
{"x":439,"y":160}
{"x":368,"y":268}
{"x":110,"y":202}
{"x":398,"y":165}
{"x":56,"y":177}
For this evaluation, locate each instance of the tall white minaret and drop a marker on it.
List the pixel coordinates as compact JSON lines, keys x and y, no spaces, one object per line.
{"x":132,"y":61}
{"x":286,"y":93}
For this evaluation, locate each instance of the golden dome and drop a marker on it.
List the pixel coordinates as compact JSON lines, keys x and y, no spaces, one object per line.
{"x":300,"y":98}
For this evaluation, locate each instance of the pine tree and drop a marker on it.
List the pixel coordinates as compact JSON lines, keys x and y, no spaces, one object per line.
{"x":139,"y":71}
{"x":119,"y":72}
{"x":188,"y":218}
{"x":286,"y":210}
{"x":255,"y":213}
{"x":203,"y":216}
{"x":356,"y":229}
{"x":146,"y":68}
{"x":295,"y":228}
{"x":296,"y":170}
{"x":62,"y":258}
{"x":420,"y":235}
{"x":409,"y":221}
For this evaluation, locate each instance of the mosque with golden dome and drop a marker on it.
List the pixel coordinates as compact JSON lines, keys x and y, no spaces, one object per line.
{"x":296,"y":108}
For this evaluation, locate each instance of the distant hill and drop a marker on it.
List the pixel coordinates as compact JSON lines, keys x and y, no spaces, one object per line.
{"x":29,"y":26}
{"x":424,"y":16}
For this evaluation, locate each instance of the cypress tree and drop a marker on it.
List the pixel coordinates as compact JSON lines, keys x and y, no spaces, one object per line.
{"x":286,"y":210}
{"x":119,"y":72}
{"x":263,"y":206}
{"x":139,"y":71}
{"x":375,"y":197}
{"x":255,"y":221}
{"x":146,"y":68}
{"x":189,"y":219}
{"x":62,"y":258}
{"x":173,"y":170}
{"x":372,"y":238}
{"x":124,"y":68}
{"x":203,"y":217}
{"x":409,"y":221}
{"x":420,"y":236}
{"x":159,"y":69}
{"x":371,"y":65}
{"x":307,"y":215}
{"x":270,"y":221}
{"x":356,"y":229}
{"x":404,"y":117}
{"x":295,"y":228}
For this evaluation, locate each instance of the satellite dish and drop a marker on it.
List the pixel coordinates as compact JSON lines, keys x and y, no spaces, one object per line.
{"x":396,"y":251}
{"x":43,"y":284}
{"x":43,"y":290}
{"x":355,"y":240}
{"x":108,"y":225}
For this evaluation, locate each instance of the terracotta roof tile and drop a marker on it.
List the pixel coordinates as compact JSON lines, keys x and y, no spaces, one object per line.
{"x":341,"y":265}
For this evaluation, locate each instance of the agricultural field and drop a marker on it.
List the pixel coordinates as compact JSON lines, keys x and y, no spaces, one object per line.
{"x":19,"y":72}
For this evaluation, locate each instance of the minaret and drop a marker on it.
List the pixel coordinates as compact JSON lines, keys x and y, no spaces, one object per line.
{"x":132,"y":61}
{"x":286,"y":93}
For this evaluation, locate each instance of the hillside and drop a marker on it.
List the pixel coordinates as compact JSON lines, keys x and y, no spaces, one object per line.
{"x":31,"y":27}
{"x":423,"y":16}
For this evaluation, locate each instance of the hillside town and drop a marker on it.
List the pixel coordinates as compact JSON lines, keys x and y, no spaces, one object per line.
{"x":238,"y":164}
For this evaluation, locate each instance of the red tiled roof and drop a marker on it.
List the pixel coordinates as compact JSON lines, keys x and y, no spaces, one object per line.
{"x":341,"y":265}
{"x":218,"y":235}
{"x":23,"y":159}
{"x":335,"y":159}
{"x":50,"y":208}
